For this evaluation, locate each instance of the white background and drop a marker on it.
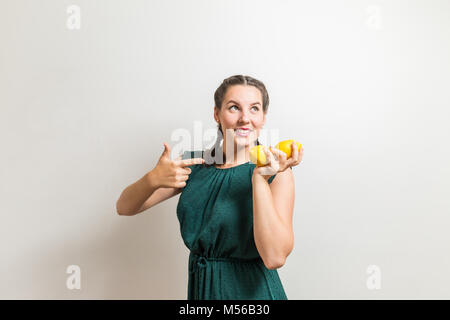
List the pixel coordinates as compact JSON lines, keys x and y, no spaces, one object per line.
{"x":363,"y":85}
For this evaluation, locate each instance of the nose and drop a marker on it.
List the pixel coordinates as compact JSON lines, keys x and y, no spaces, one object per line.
{"x":244,"y":117}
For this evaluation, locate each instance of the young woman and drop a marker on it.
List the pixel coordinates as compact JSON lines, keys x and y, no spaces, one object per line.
{"x":235,"y":218}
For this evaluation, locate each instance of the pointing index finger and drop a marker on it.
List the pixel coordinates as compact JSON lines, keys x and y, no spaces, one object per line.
{"x":190,"y":162}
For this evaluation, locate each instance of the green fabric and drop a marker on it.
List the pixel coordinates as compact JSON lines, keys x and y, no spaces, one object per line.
{"x":215,"y":212}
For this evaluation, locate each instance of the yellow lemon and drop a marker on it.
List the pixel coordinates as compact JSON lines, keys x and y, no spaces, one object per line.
{"x":257,"y":156}
{"x":286,"y":147}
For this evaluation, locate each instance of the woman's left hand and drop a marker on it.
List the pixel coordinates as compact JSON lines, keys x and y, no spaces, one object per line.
{"x":278,"y":162}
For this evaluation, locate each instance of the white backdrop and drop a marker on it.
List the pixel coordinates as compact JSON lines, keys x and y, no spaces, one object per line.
{"x":363,"y":85}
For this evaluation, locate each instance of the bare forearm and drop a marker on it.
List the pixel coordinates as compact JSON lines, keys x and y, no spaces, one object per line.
{"x":134,"y":196}
{"x":270,"y":234}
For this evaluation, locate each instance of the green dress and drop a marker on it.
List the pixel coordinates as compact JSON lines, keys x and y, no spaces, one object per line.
{"x":215,"y":212}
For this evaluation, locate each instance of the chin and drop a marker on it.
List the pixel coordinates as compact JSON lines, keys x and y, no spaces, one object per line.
{"x":241,"y":141}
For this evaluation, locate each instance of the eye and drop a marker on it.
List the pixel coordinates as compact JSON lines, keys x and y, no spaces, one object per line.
{"x":236,"y":107}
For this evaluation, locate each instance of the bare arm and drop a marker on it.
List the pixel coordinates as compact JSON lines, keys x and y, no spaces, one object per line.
{"x":166,"y":180}
{"x":142,"y":195}
{"x":273,"y":207}
{"x":158,"y":196}
{"x":134,"y":196}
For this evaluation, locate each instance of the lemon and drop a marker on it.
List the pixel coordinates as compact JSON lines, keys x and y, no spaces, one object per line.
{"x":257,"y":156}
{"x":286,"y":147}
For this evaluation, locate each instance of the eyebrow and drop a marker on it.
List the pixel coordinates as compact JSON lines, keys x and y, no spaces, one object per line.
{"x":238,"y":102}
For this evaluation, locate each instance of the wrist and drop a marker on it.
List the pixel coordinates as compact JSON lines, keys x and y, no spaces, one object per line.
{"x":151,"y":180}
{"x":257,"y":175}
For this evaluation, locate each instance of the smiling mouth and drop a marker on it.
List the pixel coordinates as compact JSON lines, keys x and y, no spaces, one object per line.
{"x":242,"y":132}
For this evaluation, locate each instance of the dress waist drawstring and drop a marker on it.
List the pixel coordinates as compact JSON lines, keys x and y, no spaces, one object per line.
{"x":201,"y":273}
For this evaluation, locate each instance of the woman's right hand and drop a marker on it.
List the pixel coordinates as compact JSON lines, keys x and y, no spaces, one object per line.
{"x":171,"y":173}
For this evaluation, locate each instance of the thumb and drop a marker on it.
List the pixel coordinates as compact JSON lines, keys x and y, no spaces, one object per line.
{"x":166,"y":152}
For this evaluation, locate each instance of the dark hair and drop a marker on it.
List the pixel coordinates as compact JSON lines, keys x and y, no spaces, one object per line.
{"x":219,"y":95}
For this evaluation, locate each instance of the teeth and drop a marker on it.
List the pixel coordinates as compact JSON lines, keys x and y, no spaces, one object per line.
{"x":242,"y":132}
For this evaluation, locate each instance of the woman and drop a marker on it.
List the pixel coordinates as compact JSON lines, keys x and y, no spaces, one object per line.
{"x":236,"y":219}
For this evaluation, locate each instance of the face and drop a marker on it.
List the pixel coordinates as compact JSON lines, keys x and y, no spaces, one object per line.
{"x":241,"y":108}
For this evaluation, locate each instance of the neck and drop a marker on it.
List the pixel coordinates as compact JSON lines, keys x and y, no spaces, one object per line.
{"x":235,"y":154}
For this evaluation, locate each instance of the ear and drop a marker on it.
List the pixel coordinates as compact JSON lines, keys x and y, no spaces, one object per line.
{"x":216,"y":114}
